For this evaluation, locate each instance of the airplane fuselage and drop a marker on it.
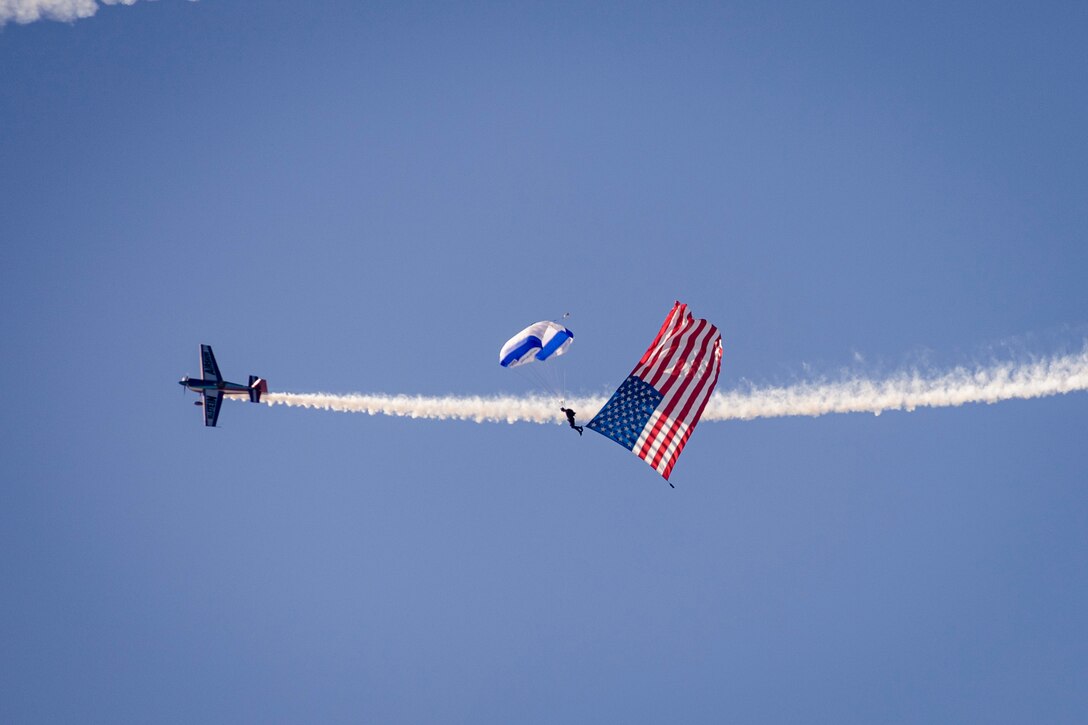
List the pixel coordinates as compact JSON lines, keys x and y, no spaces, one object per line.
{"x":199,"y":385}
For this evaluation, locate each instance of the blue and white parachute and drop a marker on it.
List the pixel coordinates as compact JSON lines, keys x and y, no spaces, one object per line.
{"x":537,"y":342}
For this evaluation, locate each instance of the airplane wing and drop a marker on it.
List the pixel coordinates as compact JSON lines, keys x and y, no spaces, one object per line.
{"x":207,"y":364}
{"x":212,"y":402}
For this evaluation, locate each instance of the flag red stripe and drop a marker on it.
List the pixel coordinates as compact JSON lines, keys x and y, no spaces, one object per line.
{"x":695,"y":338}
{"x":672,"y":398}
{"x":694,"y":385}
{"x":666,"y":327}
{"x":672,"y":354}
{"x":676,"y":318}
{"x":652,"y":436}
{"x":698,"y":402}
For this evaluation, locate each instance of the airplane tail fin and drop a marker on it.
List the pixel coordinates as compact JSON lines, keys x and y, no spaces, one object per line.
{"x":256,"y":387}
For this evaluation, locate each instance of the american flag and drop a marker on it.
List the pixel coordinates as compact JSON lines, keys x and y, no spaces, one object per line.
{"x":654,"y":411}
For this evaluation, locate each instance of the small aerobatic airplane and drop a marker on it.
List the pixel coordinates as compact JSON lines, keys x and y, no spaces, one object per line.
{"x":212,"y":387}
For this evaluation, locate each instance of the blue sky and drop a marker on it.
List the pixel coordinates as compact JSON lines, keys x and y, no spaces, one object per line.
{"x":372,"y":197}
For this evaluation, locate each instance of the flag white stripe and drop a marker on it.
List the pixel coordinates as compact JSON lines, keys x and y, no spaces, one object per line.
{"x":678,"y":395}
{"x":672,"y":354}
{"x":689,"y":420}
{"x":673,"y":449}
{"x":645,"y":434}
{"x":670,"y":367}
{"x":677,"y":318}
{"x":696,"y":388}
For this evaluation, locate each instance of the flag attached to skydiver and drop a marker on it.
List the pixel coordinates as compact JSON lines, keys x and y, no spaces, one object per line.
{"x":654,"y":411}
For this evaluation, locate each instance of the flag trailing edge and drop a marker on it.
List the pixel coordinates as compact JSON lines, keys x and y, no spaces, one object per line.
{"x":654,"y":411}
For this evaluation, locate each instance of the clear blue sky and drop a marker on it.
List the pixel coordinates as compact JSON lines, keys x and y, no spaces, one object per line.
{"x":345,"y":196}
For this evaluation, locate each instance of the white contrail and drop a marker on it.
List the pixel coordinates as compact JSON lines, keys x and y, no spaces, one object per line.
{"x":478,"y":409}
{"x":905,"y":391}
{"x":27,"y":11}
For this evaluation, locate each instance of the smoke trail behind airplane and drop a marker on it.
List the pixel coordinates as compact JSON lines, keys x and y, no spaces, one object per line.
{"x":28,"y":11}
{"x":902,"y":392}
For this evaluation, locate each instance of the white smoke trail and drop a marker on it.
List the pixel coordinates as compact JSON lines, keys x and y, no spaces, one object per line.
{"x":906,"y":391}
{"x":27,"y":11}
{"x":477,"y":409}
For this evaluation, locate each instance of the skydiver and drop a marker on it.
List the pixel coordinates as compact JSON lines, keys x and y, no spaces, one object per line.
{"x":570,"y":419}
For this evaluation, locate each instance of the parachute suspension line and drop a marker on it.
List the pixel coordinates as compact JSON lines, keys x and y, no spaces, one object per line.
{"x":556,"y":373}
{"x":548,"y":378}
{"x":539,"y":379}
{"x":561,"y":371}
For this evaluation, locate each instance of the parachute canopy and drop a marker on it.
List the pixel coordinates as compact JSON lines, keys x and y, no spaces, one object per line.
{"x":536,"y":343}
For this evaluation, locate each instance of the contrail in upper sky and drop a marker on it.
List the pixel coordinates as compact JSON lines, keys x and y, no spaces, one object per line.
{"x":904,"y":391}
{"x":27,"y":11}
